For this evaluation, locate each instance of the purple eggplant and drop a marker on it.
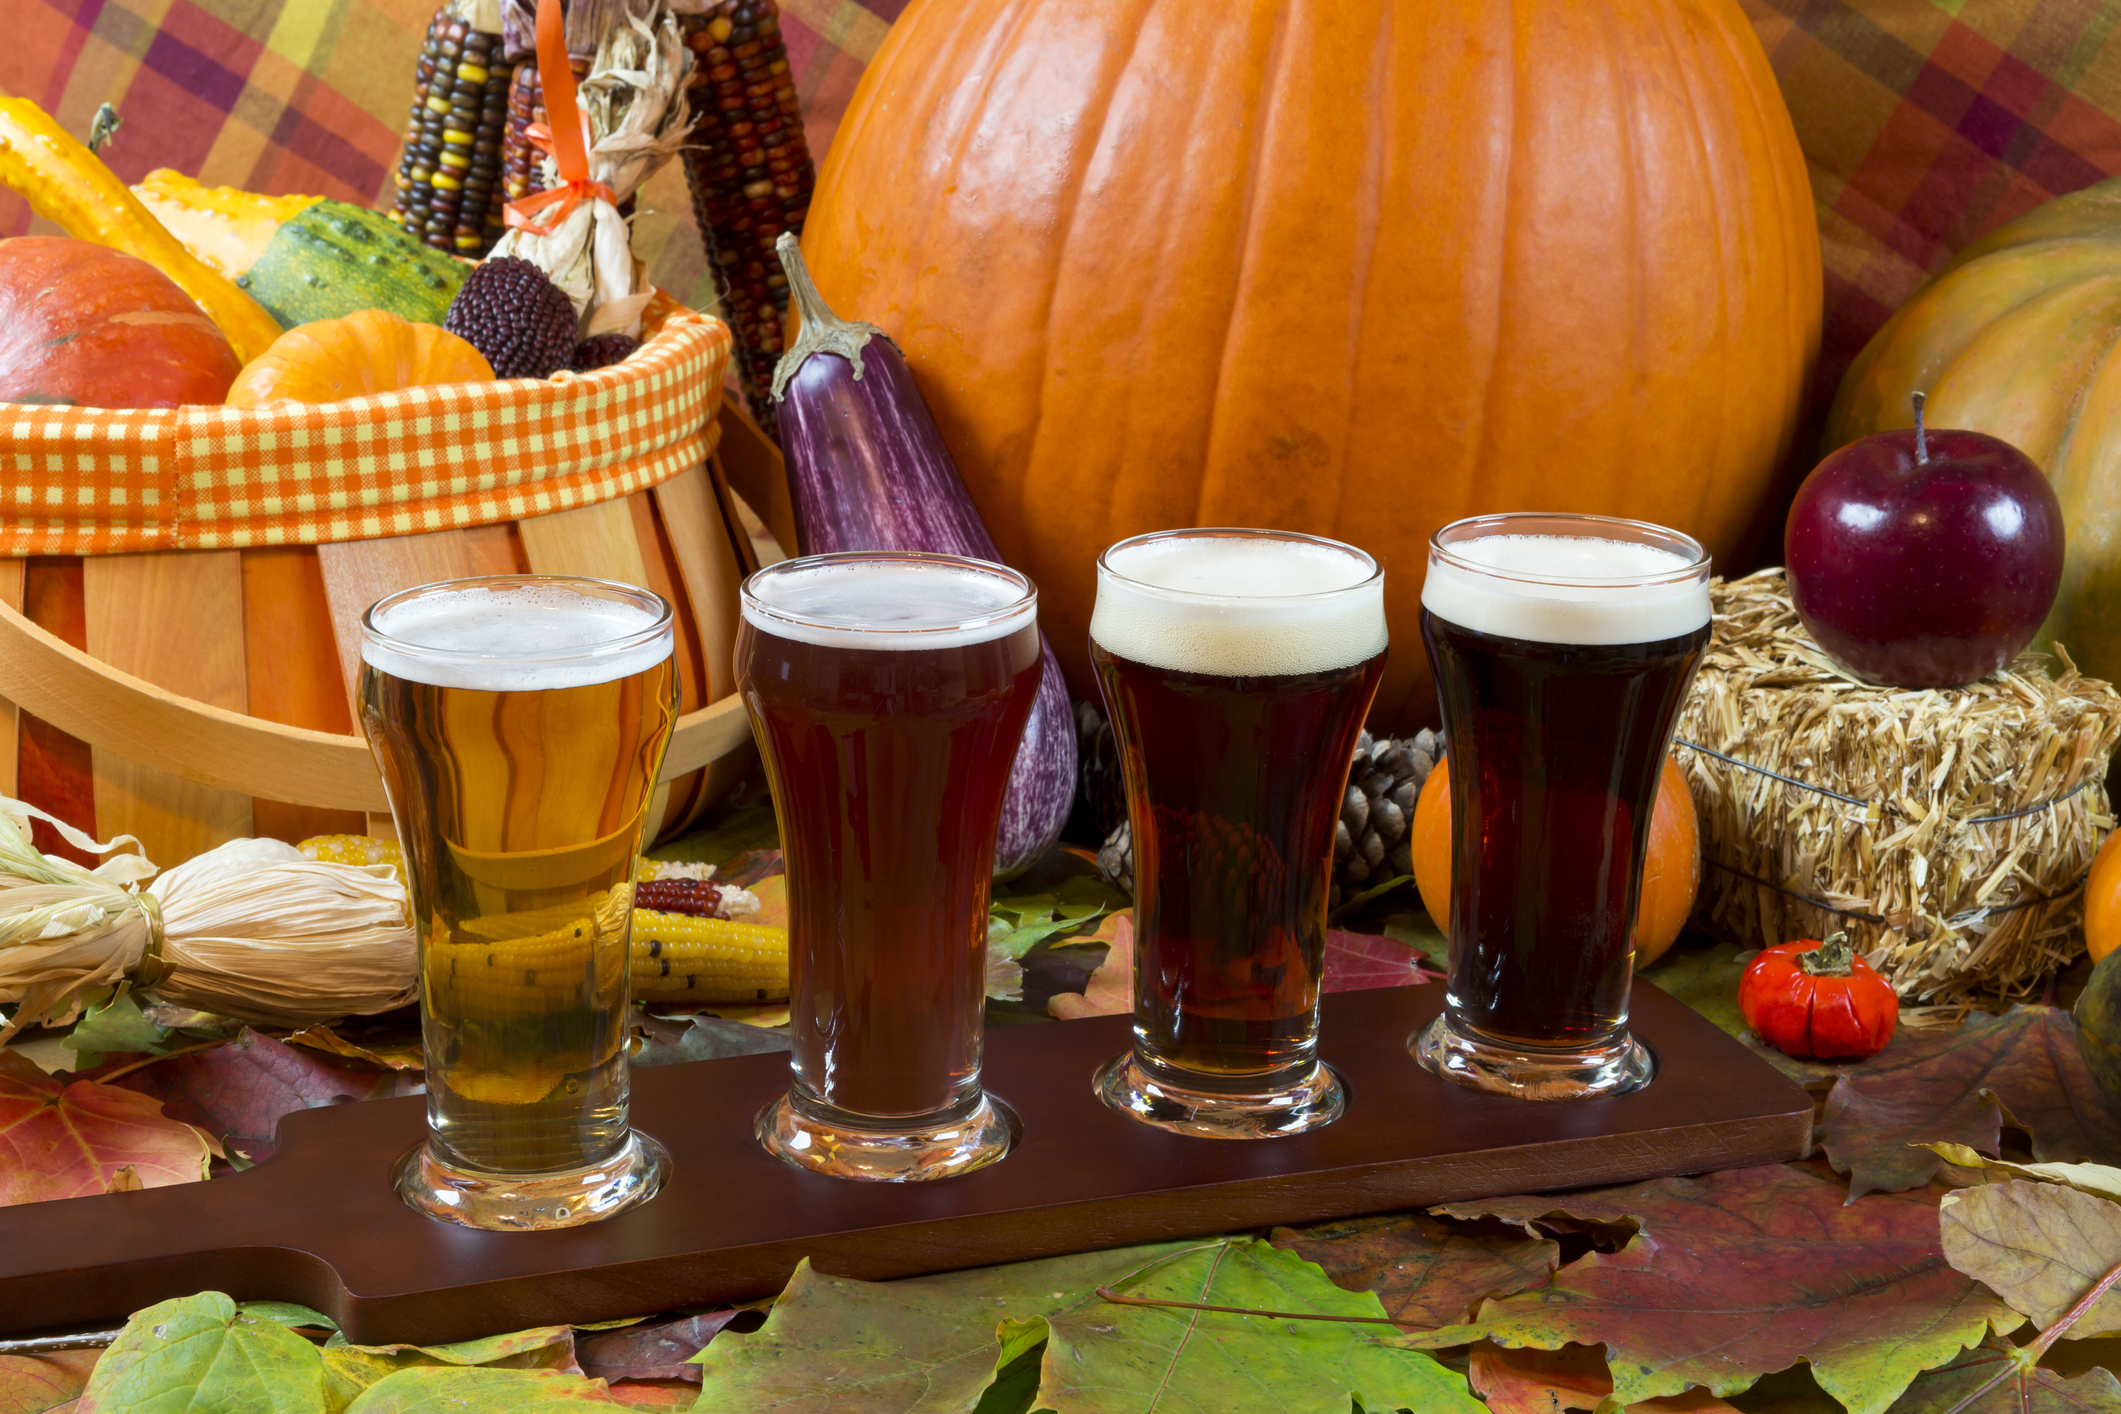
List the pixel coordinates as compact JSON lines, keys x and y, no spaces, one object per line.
{"x":869,"y":471}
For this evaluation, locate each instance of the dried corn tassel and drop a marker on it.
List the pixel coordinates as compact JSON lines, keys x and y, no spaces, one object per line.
{"x":751,"y":176}
{"x":250,"y":929}
{"x":633,"y":103}
{"x":449,"y":174}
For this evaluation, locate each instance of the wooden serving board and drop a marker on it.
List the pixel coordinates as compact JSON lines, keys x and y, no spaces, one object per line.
{"x":318,"y":1223}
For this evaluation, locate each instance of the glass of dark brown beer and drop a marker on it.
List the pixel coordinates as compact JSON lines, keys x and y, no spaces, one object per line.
{"x":887,"y":693}
{"x":1237,"y":667}
{"x":1563,"y":646}
{"x":519,"y":723}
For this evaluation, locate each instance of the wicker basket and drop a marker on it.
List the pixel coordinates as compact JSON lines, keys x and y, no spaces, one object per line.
{"x":1947,"y":832}
{"x":185,"y":586}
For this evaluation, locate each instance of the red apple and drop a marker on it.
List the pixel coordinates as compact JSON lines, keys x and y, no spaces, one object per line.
{"x":1924,"y":559}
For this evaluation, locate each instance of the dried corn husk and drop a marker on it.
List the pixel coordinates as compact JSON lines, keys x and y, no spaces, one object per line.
{"x":251,"y":930}
{"x":634,"y":100}
{"x":1948,"y":832}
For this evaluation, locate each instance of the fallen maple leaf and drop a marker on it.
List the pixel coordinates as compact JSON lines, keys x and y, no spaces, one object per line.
{"x":1425,"y":1270}
{"x":1733,"y":1275}
{"x":1970,"y":1385}
{"x":1573,"y":1377}
{"x":1957,"y":1086}
{"x":201,"y":1352}
{"x":1152,"y":1357}
{"x":38,"y":1384}
{"x":238,"y":1091}
{"x":1111,"y":987}
{"x":404,"y":1053}
{"x":2042,"y":1247}
{"x":655,"y":1394}
{"x":1357,"y":961}
{"x":448,"y":1390}
{"x":60,"y":1140}
{"x":1353,"y":961}
{"x":662,"y":1350}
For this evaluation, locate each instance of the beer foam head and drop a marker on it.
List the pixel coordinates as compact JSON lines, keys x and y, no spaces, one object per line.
{"x":514,"y":636}
{"x":885,"y":603}
{"x":1239,"y":606}
{"x":1566,"y":589}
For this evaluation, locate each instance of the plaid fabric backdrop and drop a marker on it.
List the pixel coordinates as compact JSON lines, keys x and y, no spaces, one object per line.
{"x":284,"y":96}
{"x":1926,"y":122}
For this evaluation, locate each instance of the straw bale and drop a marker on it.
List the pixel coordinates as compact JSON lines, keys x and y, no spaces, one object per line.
{"x":1947,"y":832}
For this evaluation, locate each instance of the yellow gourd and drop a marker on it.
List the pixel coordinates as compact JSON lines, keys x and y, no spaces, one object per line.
{"x":67,"y":184}
{"x":369,"y":351}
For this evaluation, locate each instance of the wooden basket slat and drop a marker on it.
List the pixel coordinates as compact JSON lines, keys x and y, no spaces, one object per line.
{"x":175,"y":619}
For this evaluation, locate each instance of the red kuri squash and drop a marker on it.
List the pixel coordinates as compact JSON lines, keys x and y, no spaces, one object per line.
{"x":1354,"y":267}
{"x":84,"y":325}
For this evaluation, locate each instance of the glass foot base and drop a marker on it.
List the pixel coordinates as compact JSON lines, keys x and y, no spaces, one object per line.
{"x":503,"y":1202}
{"x":1207,"y":1114}
{"x":888,"y":1155}
{"x":1533,"y":1075}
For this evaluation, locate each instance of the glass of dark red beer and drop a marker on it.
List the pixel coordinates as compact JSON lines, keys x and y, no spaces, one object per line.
{"x":887,"y":693}
{"x":1237,"y":667}
{"x":1563,"y":646}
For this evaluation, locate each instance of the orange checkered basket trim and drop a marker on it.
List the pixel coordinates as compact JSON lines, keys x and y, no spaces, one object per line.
{"x":92,"y":481}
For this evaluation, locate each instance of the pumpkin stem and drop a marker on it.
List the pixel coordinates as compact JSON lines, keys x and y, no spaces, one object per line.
{"x":822,"y":331}
{"x":1922,"y":442}
{"x":1832,"y":958}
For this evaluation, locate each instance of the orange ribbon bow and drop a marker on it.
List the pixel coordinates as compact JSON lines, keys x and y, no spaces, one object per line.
{"x":565,"y":135}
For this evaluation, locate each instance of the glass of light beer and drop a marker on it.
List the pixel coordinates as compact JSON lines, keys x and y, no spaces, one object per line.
{"x":519,"y":722}
{"x":887,"y":692}
{"x":1237,"y":667}
{"x":1562,"y":646}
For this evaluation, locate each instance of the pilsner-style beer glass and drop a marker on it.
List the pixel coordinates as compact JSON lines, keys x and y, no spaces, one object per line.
{"x":1237,"y":667}
{"x":1562,"y":647}
{"x":519,"y":722}
{"x":887,"y":692}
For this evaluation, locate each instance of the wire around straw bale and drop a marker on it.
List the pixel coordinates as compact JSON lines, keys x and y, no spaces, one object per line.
{"x":1947,"y":831}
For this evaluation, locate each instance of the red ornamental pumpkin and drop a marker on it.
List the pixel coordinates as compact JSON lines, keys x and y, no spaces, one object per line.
{"x":1353,"y":267}
{"x":1817,"y":1000}
{"x":87,"y":326}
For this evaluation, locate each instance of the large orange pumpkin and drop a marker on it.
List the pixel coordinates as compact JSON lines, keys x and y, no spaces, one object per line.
{"x":1353,"y":267}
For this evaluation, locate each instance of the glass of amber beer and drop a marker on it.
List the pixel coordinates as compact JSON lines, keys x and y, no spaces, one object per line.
{"x":1562,"y":647}
{"x":1237,"y":667}
{"x":887,"y":692}
{"x":519,"y":722}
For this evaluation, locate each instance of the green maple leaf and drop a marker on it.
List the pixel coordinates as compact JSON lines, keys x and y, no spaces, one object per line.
{"x":929,"y":1344}
{"x":1103,"y":1358}
{"x":354,"y":1368}
{"x":1734,"y":1275}
{"x":935,"y":1345}
{"x":200,"y":1352}
{"x":462,"y":1390}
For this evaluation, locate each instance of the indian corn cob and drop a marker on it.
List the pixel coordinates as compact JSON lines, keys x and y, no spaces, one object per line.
{"x":685,"y":946}
{"x":449,"y":175}
{"x":750,"y":172}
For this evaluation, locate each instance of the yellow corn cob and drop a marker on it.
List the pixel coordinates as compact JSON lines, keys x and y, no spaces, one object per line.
{"x":67,"y":184}
{"x":679,"y":958}
{"x":675,"y":957}
{"x":476,"y":980}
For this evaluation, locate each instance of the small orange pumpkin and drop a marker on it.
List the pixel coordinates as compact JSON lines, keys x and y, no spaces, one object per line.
{"x":368,"y":351}
{"x":1671,"y":871}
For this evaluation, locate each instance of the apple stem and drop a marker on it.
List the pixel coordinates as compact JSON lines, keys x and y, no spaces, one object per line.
{"x":1922,"y":446}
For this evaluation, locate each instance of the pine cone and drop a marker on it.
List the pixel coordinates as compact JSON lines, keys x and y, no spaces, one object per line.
{"x":1375,"y":838}
{"x":1115,"y":860}
{"x":1100,"y":790}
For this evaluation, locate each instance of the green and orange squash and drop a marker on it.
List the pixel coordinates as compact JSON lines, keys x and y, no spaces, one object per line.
{"x":2017,"y":338}
{"x":1355,"y":268}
